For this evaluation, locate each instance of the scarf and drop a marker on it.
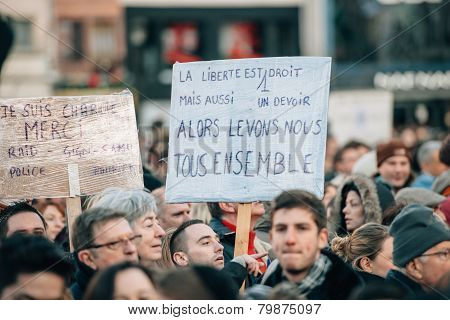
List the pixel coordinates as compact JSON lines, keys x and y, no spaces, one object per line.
{"x":316,"y":275}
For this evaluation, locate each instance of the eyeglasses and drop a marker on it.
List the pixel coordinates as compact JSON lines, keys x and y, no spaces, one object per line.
{"x":114,"y":245}
{"x":443,"y":255}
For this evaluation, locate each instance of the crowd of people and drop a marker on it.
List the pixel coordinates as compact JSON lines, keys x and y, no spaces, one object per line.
{"x":381,"y":231}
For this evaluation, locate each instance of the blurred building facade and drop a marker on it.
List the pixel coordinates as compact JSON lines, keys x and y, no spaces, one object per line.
{"x":29,"y":69}
{"x":91,"y":45}
{"x":65,"y":46}
{"x":400,"y":46}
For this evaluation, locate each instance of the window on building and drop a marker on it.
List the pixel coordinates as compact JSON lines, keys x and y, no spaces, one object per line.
{"x":398,"y":32}
{"x":71,"y":34}
{"x":23,"y":40}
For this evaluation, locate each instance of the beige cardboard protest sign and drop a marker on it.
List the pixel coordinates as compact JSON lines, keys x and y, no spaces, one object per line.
{"x":42,"y":137}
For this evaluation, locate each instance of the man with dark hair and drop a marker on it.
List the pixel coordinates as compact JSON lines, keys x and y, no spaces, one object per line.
{"x":223,"y":223}
{"x":21,"y":218}
{"x":394,"y":165}
{"x":346,"y":157}
{"x":101,"y":237}
{"x":33,"y":268}
{"x":194,"y":242}
{"x":299,"y":237}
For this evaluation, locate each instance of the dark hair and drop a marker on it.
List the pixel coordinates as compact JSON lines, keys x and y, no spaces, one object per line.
{"x":301,"y":199}
{"x":198,"y":283}
{"x":13,"y":210}
{"x":83,"y":228}
{"x":101,"y":287}
{"x":353,"y":144}
{"x":177,"y":241}
{"x":26,"y":254}
{"x":349,"y":186}
{"x":391,"y":212}
{"x":215,"y":210}
{"x":444,"y":152}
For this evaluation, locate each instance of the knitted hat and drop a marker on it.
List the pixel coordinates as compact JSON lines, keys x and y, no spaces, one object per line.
{"x":421,"y":196}
{"x":415,"y":230}
{"x":394,"y":147}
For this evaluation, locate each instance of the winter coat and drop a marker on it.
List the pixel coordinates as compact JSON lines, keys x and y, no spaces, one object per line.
{"x":339,"y":283}
{"x":407,"y":285}
{"x":371,"y":205}
{"x":83,"y":275}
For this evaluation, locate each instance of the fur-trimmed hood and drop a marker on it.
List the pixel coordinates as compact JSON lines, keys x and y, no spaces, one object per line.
{"x":371,"y":205}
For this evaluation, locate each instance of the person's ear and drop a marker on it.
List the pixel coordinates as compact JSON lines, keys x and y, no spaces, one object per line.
{"x":227,"y":207}
{"x":414,"y":268}
{"x":85,"y":256}
{"x":323,"y":238}
{"x":180,"y":259}
{"x":365,"y":264}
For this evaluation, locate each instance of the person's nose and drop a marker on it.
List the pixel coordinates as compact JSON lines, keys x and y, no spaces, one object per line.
{"x":186,"y":216}
{"x":130,"y":248}
{"x":290,"y":236}
{"x":218,"y":247}
{"x":159,"y":231}
{"x":345,"y":210}
{"x":59,"y":224}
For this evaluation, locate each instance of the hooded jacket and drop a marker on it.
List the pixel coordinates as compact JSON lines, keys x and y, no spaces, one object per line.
{"x":369,"y":197}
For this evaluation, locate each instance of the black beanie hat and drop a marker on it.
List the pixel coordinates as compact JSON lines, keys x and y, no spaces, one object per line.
{"x":415,"y":230}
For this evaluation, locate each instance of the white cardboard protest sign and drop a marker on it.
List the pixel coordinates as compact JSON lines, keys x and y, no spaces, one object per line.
{"x":41,"y":138}
{"x":244,"y":130}
{"x":364,"y":115}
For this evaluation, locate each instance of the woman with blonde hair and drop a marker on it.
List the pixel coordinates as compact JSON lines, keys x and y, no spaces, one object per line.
{"x":368,"y":249}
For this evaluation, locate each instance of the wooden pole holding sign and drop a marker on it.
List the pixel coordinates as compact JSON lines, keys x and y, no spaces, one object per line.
{"x":73,"y":203}
{"x":242,"y":231}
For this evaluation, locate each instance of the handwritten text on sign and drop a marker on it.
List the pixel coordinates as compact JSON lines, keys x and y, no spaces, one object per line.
{"x":243,"y":130}
{"x":41,"y":136}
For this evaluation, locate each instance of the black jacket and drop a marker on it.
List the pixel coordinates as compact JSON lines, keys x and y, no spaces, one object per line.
{"x":410,"y":287}
{"x":369,"y":278}
{"x":339,"y":281}
{"x":236,"y":272}
{"x":227,"y":239}
{"x":83,"y":275}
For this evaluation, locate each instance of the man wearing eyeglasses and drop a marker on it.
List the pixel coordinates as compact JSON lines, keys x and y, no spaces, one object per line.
{"x":421,"y":251}
{"x":101,"y":237}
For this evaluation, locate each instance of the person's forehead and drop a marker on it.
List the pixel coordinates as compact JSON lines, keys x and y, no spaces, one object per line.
{"x":350,"y":153}
{"x":293,"y":216}
{"x":352,"y":195}
{"x":114,"y":228}
{"x":197,"y":231}
{"x":440,"y":246}
{"x":52,"y":210}
{"x":44,"y":285}
{"x":28,"y":218}
{"x":398,"y":158}
{"x":176,"y":207}
{"x":148,"y":215}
